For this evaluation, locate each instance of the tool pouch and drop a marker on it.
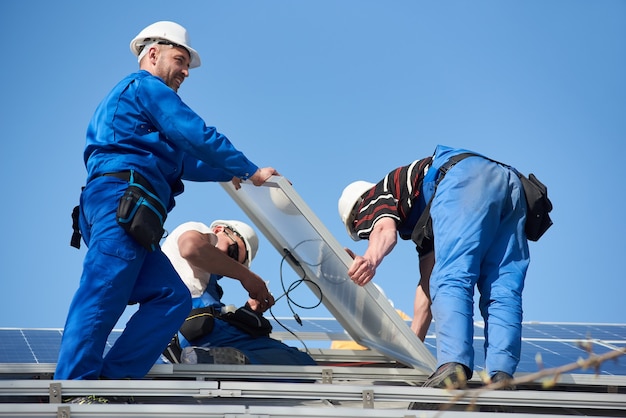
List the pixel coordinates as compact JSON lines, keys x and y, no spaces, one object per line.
{"x":142,"y":214}
{"x":199,"y":323}
{"x":249,"y":321}
{"x":538,"y":207}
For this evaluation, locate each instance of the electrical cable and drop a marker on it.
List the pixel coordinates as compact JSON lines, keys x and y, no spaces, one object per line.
{"x":291,"y":288}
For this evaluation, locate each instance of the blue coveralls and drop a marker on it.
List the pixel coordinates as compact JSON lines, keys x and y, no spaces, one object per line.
{"x":259,"y":350}
{"x":478,"y":215}
{"x":142,"y":125}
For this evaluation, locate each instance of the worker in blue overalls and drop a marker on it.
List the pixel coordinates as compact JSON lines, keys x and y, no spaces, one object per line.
{"x":478,"y":216}
{"x":141,"y":142}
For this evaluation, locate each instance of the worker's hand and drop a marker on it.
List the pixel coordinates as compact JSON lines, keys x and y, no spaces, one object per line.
{"x":262,"y":174}
{"x":236,"y":182}
{"x":257,"y":290}
{"x":255,"y":305}
{"x":362,"y":270}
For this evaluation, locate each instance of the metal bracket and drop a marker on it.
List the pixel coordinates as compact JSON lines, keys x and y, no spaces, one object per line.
{"x":368,"y":399}
{"x":55,"y":391}
{"x":327,"y":376}
{"x":63,"y":412}
{"x":226,"y":393}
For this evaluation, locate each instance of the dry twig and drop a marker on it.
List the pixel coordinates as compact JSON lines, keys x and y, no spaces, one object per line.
{"x":593,"y":361}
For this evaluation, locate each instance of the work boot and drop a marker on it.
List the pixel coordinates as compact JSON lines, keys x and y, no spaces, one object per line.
{"x":504,"y":379}
{"x":448,"y":376}
{"x":500,"y":377}
{"x":173,"y":351}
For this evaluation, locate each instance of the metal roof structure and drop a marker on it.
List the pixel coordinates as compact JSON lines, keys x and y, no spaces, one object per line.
{"x":566,"y":368}
{"x":346,"y":383}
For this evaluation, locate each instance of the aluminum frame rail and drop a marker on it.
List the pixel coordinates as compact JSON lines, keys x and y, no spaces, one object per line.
{"x":324,"y":374}
{"x":241,"y":392}
{"x":221,"y":411}
{"x":248,"y":372}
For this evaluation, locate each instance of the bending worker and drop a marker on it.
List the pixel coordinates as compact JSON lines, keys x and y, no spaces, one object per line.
{"x":478,"y":215}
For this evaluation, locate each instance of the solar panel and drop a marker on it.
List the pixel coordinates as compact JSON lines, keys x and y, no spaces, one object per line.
{"x":39,"y":340}
{"x":296,"y":232}
{"x":320,"y":325}
{"x":605,"y":332}
{"x":42,"y":345}
{"x":549,"y":345}
{"x":15,"y":348}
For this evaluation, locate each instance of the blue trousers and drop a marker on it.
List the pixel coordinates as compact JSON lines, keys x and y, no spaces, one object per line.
{"x":260,"y":350}
{"x":117,"y":271}
{"x":478,"y":214}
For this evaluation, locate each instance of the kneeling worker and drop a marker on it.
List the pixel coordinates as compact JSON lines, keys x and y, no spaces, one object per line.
{"x":202,"y":255}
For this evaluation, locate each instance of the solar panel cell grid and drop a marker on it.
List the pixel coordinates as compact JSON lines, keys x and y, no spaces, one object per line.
{"x":44,"y":345}
{"x":605,"y":332}
{"x":557,"y":344}
{"x":15,"y":348}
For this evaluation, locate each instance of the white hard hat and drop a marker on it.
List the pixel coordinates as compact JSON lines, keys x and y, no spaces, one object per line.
{"x":246,"y":233}
{"x":164,"y":31}
{"x":348,"y":202}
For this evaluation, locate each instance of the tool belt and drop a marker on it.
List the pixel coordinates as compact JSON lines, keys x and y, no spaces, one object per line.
{"x":201,"y":322}
{"x":140,"y":212}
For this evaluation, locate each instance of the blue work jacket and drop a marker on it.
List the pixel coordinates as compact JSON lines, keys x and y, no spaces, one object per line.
{"x":144,"y":125}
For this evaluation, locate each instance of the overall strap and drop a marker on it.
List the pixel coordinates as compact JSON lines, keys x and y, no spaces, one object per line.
{"x":456,"y":158}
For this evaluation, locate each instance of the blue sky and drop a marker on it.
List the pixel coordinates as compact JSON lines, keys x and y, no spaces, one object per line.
{"x":329,"y":92}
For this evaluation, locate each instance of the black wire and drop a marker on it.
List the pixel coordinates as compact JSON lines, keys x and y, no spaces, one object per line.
{"x":289,"y":289}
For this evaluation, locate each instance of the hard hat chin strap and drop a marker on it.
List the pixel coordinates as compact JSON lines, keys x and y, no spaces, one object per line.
{"x":145,"y":48}
{"x":149,"y":42}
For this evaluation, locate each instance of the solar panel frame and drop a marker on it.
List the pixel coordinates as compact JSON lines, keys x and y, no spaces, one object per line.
{"x":295,"y":231}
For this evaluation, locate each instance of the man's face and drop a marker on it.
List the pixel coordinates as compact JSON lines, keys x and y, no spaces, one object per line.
{"x":172,"y":65}
{"x":231,"y":244}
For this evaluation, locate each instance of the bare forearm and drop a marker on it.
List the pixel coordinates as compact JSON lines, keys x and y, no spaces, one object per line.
{"x":422,"y":315}
{"x":381,"y":242}
{"x":203,"y":255}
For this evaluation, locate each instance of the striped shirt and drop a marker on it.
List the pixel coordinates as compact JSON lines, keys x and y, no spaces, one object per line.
{"x":396,"y":196}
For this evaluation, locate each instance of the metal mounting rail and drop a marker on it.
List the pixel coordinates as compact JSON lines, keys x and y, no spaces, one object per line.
{"x":240,"y":372}
{"x":221,"y":411}
{"x":325,"y":374}
{"x":155,"y":391}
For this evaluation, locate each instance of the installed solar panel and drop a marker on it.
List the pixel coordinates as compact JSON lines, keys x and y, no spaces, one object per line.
{"x":606,"y":332}
{"x":15,"y":348}
{"x":557,"y":344}
{"x":42,"y":345}
{"x":38,"y":342}
{"x":36,"y":345}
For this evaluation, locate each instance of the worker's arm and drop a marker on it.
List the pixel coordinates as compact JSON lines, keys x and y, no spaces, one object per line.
{"x":421,"y":305}
{"x":199,"y":252}
{"x":382,"y":239}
